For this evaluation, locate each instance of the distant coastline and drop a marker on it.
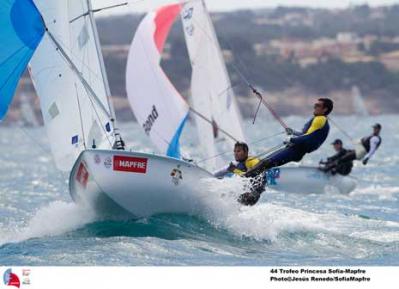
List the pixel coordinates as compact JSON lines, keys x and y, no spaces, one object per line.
{"x":292,"y":54}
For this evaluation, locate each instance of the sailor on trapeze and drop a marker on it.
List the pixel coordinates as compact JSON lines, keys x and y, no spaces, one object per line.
{"x":364,"y":150}
{"x":313,"y":135}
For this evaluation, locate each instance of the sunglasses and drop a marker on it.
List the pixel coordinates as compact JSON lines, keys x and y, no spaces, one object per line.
{"x":317,"y":105}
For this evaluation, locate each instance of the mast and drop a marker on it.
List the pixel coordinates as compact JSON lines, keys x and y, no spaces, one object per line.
{"x":119,"y":144}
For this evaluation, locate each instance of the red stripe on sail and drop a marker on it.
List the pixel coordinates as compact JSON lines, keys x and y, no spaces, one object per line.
{"x":163,"y":22}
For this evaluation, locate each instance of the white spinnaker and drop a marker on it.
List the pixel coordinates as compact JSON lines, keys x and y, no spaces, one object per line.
{"x":211,"y":90}
{"x":157,"y":105}
{"x":74,"y":120}
{"x":358,"y":103}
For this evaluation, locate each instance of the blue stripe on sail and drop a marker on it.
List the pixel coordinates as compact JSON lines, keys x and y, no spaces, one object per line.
{"x":22,"y":29}
{"x":174,"y":146}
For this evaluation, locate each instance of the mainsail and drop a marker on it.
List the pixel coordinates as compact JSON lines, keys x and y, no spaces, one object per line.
{"x":67,"y":71}
{"x":22,"y":29}
{"x":211,"y":90}
{"x":157,"y":105}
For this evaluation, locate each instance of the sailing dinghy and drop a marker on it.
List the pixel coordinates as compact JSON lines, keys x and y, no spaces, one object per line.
{"x":69,"y":75}
{"x":74,"y":95}
{"x":212,"y":99}
{"x":307,"y":180}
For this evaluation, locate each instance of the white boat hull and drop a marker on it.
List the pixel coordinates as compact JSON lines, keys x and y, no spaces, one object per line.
{"x":307,"y":180}
{"x":138,"y":183}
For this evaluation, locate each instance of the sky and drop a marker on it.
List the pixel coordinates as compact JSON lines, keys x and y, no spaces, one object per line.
{"x":228,"y":5}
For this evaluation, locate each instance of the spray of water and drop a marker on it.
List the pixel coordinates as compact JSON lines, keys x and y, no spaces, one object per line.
{"x":54,"y":219}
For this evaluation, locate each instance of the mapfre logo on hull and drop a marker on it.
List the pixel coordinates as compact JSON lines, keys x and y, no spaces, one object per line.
{"x":130,"y":164}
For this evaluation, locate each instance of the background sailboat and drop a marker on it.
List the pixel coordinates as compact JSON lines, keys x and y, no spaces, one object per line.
{"x":359,"y":106}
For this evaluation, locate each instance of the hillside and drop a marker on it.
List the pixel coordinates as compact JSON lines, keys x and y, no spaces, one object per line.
{"x":293,"y":54}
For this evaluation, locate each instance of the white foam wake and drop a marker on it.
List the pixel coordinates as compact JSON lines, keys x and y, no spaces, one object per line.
{"x":266,"y":221}
{"x":54,"y":219}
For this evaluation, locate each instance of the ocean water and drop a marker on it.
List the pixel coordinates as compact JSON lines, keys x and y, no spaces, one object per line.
{"x":40,"y":225}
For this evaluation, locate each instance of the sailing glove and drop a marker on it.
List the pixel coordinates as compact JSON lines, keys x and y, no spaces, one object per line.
{"x":289,"y":131}
{"x":288,"y":143}
{"x":231,"y":167}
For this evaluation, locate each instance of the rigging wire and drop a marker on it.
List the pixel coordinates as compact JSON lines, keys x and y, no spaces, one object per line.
{"x":35,"y":141}
{"x":89,"y":90}
{"x":80,"y":115}
{"x":250,"y":143}
{"x":244,"y":78}
{"x":272,"y":149}
{"x":254,"y":90}
{"x":211,"y":123}
{"x":45,"y":150}
{"x":341,"y":130}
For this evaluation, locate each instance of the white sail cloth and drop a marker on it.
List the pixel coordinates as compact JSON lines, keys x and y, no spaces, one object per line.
{"x":74,"y":120}
{"x":211,"y":91}
{"x":157,"y":105}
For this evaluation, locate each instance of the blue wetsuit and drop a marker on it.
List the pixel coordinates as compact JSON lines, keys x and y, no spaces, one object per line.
{"x":313,"y":135}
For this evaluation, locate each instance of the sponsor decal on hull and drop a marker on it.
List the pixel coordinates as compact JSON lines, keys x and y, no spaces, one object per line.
{"x":97,"y":159}
{"x":108,"y":162}
{"x":130,"y":164}
{"x":271,"y":176}
{"x":83,"y":175}
{"x":177,"y":175}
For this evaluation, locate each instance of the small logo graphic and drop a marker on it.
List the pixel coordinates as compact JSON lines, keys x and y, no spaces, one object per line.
{"x":11,"y":279}
{"x":272,"y":175}
{"x":108,"y":127}
{"x":97,"y":159}
{"x":83,"y":175}
{"x":108,"y":162}
{"x":26,"y":276}
{"x":26,"y":272}
{"x":176,"y":175}
{"x":188,"y":13}
{"x":130,"y":164}
{"x":75,"y":140}
{"x":151,"y":118}
{"x":190,"y":29}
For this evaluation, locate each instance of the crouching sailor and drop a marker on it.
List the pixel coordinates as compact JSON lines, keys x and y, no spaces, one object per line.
{"x":365,"y":148}
{"x":334,"y":165}
{"x":242,"y":164}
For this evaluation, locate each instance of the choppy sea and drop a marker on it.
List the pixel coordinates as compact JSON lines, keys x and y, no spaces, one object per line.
{"x":40,"y":225}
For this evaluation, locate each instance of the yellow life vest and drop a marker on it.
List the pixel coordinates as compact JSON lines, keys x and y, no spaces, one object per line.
{"x":249,"y":163}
